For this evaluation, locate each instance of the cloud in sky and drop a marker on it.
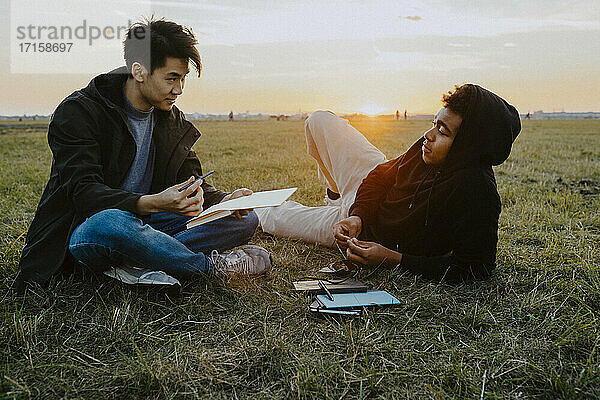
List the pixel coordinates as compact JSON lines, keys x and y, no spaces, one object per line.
{"x":424,"y":61}
{"x":268,"y":22}
{"x":265,"y":55}
{"x":411,"y":17}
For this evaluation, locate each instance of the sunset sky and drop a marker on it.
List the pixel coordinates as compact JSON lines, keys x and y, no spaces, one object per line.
{"x":357,"y":56}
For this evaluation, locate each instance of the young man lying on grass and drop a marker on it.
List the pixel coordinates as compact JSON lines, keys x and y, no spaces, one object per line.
{"x":433,"y":210}
{"x":121,"y":152}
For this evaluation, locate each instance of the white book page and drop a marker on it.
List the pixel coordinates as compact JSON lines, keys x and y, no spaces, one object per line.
{"x":269,"y":198}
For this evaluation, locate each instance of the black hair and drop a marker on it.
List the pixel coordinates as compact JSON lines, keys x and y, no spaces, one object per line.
{"x":166,"y":39}
{"x":459,"y":100}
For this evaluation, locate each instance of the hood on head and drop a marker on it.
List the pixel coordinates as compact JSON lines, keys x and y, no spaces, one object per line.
{"x":488,"y":129}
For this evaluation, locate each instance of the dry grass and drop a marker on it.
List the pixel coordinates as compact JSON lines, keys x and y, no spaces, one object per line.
{"x":532,"y":329}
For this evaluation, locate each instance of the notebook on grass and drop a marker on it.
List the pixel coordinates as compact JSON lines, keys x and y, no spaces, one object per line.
{"x":356,"y":300}
{"x":334,"y":286}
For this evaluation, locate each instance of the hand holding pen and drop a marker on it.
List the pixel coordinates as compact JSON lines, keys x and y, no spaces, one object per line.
{"x":185,"y":198}
{"x":181,"y":189}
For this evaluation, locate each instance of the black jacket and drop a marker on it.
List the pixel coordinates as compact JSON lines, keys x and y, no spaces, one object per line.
{"x":93,"y":149}
{"x":444,"y":220}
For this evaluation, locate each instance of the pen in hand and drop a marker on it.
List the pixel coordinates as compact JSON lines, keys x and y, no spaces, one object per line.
{"x":181,"y":189}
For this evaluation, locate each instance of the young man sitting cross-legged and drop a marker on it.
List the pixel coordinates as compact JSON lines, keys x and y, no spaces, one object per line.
{"x":121,"y":152}
{"x":433,"y":210}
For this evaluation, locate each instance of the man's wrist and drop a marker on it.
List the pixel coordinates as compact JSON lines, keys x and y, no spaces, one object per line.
{"x":146,"y":204}
{"x":394,"y":258}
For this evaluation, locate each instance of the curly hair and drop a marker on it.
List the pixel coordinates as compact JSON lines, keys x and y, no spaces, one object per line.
{"x":458,"y":101}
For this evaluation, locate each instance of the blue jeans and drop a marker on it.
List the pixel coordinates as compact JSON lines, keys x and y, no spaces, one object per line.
{"x":113,"y":237}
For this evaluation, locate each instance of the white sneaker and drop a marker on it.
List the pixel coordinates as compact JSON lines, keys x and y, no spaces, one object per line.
{"x":247,"y":260}
{"x":139,"y":276}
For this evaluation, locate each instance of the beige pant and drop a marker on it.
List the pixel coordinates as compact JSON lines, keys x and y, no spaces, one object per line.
{"x":344,"y":158}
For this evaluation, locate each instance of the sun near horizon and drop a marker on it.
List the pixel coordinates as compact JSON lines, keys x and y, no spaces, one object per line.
{"x":372,"y":109}
{"x":347,"y":56}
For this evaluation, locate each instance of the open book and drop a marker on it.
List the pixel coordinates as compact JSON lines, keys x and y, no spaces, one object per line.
{"x":270,"y":198}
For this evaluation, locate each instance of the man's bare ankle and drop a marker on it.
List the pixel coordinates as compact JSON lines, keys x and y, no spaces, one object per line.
{"x":332,"y":195}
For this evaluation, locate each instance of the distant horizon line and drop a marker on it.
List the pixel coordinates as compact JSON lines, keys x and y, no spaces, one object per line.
{"x":226,"y":113}
{"x":537,"y":115}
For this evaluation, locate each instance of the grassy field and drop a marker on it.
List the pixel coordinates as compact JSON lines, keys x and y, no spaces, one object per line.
{"x":530,"y":331}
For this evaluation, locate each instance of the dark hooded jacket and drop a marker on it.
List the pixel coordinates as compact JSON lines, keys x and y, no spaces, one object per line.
{"x":92,"y":150}
{"x":444,"y":220}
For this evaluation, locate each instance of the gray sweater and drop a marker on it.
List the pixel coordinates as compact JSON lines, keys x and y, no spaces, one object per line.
{"x":139,"y":177}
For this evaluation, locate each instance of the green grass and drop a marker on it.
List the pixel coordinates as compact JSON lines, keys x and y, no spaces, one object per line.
{"x":532,"y":329}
